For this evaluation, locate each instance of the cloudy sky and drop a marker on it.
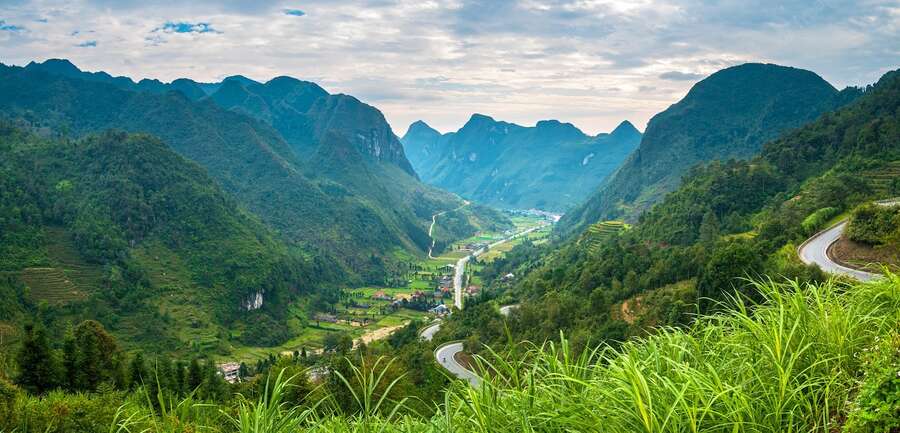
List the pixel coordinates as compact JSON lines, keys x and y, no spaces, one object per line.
{"x":589,"y":62}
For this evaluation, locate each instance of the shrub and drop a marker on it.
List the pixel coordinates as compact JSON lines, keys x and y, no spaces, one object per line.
{"x":877,"y":407}
{"x":874,"y":225}
{"x":818,"y":218}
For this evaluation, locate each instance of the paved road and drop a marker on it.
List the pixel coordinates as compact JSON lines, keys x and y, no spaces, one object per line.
{"x":460,"y":270}
{"x":446,"y":356}
{"x":428,"y":333}
{"x":815,"y":249}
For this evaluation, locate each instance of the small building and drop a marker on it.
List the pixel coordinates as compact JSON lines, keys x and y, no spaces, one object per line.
{"x":231,"y":371}
{"x":472,"y":290}
{"x":381,"y":295}
{"x":508,"y":277}
{"x":440,"y":310}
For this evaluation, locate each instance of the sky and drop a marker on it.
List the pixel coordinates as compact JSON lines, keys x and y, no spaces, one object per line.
{"x":593,"y":63}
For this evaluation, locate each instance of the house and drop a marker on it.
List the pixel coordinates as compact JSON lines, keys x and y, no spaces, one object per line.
{"x":381,"y":295}
{"x":440,"y":310}
{"x":472,"y":290}
{"x":231,"y":371}
{"x":508,"y":277}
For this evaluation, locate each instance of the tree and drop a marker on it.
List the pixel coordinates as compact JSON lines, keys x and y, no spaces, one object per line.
{"x":138,"y":371}
{"x":97,"y":357}
{"x":194,"y":376}
{"x":38,"y":366}
{"x":69,"y":360}
{"x":722,"y":274}
{"x":709,"y":228}
{"x":337,"y":342}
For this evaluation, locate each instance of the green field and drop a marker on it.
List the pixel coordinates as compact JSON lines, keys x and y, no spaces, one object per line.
{"x":425,"y":279}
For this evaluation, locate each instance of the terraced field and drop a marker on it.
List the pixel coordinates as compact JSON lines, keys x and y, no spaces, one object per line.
{"x":883,"y":179}
{"x":599,"y":232}
{"x":69,"y":279}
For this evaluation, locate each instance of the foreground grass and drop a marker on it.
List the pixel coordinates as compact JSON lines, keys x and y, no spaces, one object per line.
{"x":812,"y":358}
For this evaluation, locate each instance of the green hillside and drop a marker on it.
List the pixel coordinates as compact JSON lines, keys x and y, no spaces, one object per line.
{"x":729,"y":114}
{"x":109,"y":226}
{"x":551,"y":166}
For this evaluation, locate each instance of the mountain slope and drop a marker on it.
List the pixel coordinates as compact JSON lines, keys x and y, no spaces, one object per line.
{"x":730,"y":114}
{"x":124,"y":225}
{"x":304,"y":114}
{"x":551,"y":166}
{"x":251,"y":160}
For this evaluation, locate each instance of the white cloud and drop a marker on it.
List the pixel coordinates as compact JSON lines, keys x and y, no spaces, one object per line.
{"x":589,"y":62}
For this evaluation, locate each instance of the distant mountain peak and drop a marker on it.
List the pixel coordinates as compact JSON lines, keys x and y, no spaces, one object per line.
{"x":420,"y":126}
{"x":480,"y":118}
{"x":625,"y":128}
{"x":57,"y":66}
{"x":240,"y":79}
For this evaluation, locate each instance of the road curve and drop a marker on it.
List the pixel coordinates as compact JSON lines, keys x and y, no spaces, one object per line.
{"x":446,"y":356}
{"x":428,"y":333}
{"x":815,"y":249}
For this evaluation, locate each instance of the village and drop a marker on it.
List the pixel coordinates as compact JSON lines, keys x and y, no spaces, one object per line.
{"x":422,"y":290}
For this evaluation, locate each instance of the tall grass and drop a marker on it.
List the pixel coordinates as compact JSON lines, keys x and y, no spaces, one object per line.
{"x":790,"y":364}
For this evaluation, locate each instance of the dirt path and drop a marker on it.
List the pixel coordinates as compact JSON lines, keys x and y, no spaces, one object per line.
{"x":434,"y":221}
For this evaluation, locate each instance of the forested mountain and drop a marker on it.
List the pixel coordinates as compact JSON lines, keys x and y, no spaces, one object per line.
{"x":551,"y":166}
{"x":120,"y":228}
{"x":726,"y":222}
{"x":730,"y":114}
{"x":336,"y":191}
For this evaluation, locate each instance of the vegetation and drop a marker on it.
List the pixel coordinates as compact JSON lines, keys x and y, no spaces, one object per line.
{"x":875,"y":225}
{"x":88,"y":220}
{"x":814,"y":358}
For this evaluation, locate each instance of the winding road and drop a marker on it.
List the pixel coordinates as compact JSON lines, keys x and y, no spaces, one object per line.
{"x":445,"y":354}
{"x":815,"y":249}
{"x":434,"y":221}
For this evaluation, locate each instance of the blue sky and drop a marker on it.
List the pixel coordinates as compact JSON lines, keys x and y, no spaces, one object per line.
{"x":589,"y":62}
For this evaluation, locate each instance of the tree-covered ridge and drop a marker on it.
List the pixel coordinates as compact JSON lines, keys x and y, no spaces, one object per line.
{"x":552,"y":165}
{"x":122,"y":201}
{"x":726,"y":222}
{"x":343,"y":215}
{"x":730,"y":114}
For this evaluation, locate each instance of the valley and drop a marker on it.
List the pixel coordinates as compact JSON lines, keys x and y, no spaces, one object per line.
{"x":652,"y":228}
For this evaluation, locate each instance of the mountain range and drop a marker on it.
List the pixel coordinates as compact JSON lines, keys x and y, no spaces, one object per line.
{"x":550,"y":166}
{"x":325,"y":171}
